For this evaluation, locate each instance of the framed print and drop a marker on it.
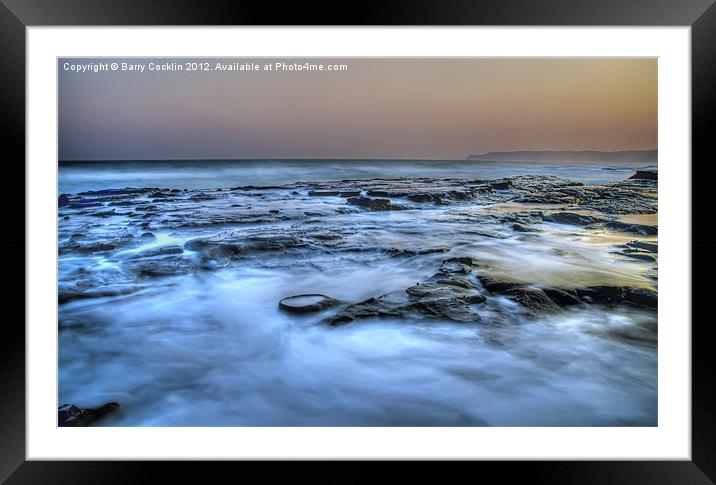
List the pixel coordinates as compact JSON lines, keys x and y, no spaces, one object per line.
{"x":434,"y":234}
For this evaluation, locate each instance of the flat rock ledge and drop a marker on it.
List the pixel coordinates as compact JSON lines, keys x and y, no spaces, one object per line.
{"x":69,"y":415}
{"x":451,"y":295}
{"x":308,"y":303}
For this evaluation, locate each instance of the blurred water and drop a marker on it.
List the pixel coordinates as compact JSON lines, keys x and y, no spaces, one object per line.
{"x":211,"y":348}
{"x":215,"y":350}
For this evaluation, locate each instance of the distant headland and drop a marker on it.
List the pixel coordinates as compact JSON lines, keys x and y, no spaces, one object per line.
{"x":594,"y":156}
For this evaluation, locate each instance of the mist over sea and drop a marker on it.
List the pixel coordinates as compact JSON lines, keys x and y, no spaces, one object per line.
{"x":82,"y":176}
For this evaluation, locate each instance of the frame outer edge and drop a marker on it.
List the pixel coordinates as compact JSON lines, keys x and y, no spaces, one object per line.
{"x":12,"y":341}
{"x":12,"y":33}
{"x":703,"y":116}
{"x":372,"y":12}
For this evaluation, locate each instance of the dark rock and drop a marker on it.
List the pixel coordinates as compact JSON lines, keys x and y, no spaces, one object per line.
{"x":570,"y":218}
{"x":642,"y":297}
{"x":380,"y":307}
{"x":446,"y":295}
{"x":534,"y":299}
{"x":116,"y":192}
{"x":646,"y":246}
{"x":378,"y":193}
{"x":466,"y":260}
{"x":640,"y":229}
{"x":562,"y":297}
{"x":89,"y":247}
{"x":447,"y":308}
{"x":323,"y":193}
{"x":161,"y":267}
{"x":196,"y":244}
{"x":434,"y":291}
{"x":451,"y":280}
{"x":501,"y":185}
{"x":601,"y":294}
{"x":256,"y":187}
{"x":308,"y":303}
{"x":123,"y":203}
{"x":214,"y":250}
{"x":68,"y":294}
{"x":222,"y":251}
{"x":519,"y":227}
{"x":71,"y":415}
{"x":149,"y":236}
{"x":86,"y":204}
{"x":459,"y":195}
{"x":446,"y":300}
{"x":423,"y":198}
{"x":645,"y":175}
{"x":273,"y":242}
{"x":148,"y":207}
{"x":416,"y":252}
{"x":201,"y":196}
{"x":457,"y":265}
{"x":495,"y":285}
{"x":640,"y":255}
{"x":163,"y":251}
{"x":548,"y":198}
{"x":432,"y":300}
{"x":374,"y":204}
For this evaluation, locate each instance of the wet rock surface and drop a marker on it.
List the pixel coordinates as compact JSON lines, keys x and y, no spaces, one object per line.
{"x":645,"y":175}
{"x":374,"y":203}
{"x":448,"y":294}
{"x":571,"y":218}
{"x":309,"y":303}
{"x":254,"y":297}
{"x":69,"y":415}
{"x":534,"y":299}
{"x":445,"y":295}
{"x":147,"y":232}
{"x":156,"y":233}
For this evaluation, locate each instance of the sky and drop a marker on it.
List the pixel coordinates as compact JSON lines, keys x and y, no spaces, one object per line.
{"x":383,"y":108}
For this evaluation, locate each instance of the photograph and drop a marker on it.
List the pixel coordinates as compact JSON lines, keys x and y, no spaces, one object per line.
{"x":358,"y":242}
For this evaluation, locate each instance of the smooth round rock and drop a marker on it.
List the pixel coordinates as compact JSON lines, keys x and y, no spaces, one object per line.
{"x":306,"y":303}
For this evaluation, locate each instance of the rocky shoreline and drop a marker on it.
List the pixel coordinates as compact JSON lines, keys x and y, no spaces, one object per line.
{"x":121,"y":243}
{"x":142,"y":211}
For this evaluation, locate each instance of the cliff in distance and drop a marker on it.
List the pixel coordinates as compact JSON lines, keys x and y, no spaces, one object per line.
{"x":591,"y":156}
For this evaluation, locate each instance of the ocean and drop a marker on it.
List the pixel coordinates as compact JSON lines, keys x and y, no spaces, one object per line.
{"x":169,"y":298}
{"x":77,"y":177}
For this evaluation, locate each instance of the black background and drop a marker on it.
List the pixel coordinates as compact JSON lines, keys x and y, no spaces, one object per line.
{"x":15,"y":15}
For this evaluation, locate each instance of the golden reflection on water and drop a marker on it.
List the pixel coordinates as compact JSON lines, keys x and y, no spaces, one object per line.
{"x":564,"y":256}
{"x":646,"y":219}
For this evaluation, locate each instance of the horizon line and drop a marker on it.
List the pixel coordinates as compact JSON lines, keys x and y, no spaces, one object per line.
{"x":346,"y":158}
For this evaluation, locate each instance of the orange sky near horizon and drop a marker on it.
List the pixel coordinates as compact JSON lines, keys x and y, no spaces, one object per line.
{"x":430,"y":108}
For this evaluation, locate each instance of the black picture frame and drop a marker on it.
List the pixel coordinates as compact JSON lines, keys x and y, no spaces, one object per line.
{"x":17,"y":15}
